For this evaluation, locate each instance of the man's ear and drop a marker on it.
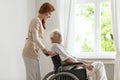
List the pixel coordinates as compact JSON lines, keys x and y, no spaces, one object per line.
{"x":51,"y":39}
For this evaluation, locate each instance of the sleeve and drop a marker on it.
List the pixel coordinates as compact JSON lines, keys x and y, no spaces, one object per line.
{"x":38,"y":40}
{"x":34,"y":28}
{"x":61,"y":51}
{"x":34,"y":25}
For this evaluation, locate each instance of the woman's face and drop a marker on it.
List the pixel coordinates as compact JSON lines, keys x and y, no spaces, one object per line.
{"x":47,"y":15}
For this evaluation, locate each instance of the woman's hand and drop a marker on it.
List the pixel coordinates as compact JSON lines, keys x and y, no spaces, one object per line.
{"x":45,"y":51}
{"x":48,"y":53}
{"x":51,"y":53}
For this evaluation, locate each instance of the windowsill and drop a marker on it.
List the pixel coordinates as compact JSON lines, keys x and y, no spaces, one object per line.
{"x":107,"y":58}
{"x":95,"y":55}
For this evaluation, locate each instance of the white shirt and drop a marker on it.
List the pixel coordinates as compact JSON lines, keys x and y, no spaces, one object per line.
{"x":59,"y":49}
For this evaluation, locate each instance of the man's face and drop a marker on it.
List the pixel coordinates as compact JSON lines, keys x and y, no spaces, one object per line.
{"x":57,"y":38}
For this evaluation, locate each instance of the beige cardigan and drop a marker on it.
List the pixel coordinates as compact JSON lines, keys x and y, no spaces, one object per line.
{"x":31,"y":46}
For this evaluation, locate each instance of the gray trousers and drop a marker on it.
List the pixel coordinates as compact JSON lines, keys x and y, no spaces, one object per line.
{"x":32,"y":69}
{"x":98,"y":72}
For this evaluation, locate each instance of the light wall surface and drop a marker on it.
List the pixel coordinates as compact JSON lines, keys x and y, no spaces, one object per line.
{"x":14,"y":18}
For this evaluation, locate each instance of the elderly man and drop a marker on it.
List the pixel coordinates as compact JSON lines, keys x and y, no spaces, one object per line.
{"x":95,"y":70}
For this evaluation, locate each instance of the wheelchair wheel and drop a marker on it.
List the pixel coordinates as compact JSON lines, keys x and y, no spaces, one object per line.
{"x":48,"y":75}
{"x":63,"y":76}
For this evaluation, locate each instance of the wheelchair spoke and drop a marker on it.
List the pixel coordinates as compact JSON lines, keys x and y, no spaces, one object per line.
{"x":48,"y":75}
{"x":64,"y":76}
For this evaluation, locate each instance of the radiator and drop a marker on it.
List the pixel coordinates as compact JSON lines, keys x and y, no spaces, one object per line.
{"x":110,"y":71}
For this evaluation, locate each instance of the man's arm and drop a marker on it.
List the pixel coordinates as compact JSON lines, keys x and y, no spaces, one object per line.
{"x":63,"y":53}
{"x":68,"y":59}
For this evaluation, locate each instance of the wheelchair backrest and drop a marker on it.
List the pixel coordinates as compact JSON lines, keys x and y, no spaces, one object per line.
{"x":56,"y":61}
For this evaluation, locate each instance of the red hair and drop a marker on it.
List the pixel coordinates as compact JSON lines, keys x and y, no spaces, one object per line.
{"x":45,"y":8}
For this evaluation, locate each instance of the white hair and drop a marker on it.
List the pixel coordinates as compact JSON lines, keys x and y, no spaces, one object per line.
{"x":53,"y":32}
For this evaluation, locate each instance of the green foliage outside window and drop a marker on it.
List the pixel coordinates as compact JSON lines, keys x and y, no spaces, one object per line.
{"x":88,"y":12}
{"x":107,"y":43}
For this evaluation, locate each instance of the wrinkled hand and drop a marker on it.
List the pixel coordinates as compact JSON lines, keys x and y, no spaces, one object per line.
{"x":89,"y":66}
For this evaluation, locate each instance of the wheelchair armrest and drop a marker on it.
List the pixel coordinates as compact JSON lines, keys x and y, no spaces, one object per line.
{"x":73,"y":64}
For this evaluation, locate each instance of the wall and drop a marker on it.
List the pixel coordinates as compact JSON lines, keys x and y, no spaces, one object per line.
{"x":110,"y":71}
{"x":14,"y":19}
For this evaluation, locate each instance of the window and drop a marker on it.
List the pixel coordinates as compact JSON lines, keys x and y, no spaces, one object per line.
{"x":93,"y":27}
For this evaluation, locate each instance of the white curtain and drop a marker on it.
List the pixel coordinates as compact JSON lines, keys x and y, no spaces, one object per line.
{"x":65,"y":12}
{"x":115,"y":5}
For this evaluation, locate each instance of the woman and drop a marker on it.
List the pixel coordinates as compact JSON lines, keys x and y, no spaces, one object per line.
{"x":34,"y":42}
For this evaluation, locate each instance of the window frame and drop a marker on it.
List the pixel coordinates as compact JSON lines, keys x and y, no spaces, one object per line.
{"x":96,"y":53}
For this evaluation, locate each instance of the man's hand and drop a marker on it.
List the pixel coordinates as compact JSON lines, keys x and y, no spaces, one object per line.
{"x":89,"y":66}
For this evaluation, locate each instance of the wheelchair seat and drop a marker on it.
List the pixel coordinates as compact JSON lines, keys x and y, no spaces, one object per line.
{"x":80,"y":73}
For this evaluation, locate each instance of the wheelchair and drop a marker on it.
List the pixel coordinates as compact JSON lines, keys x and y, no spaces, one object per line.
{"x":60,"y":73}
